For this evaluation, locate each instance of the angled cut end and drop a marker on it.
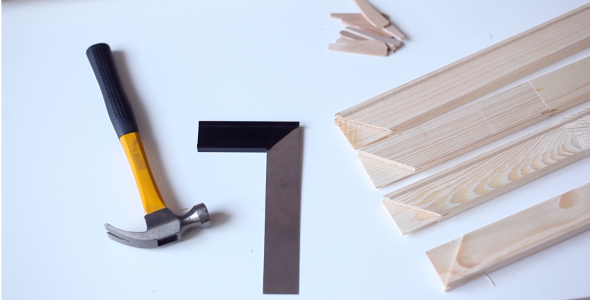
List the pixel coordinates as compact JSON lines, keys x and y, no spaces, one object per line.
{"x":359,"y":135}
{"x":443,"y":258}
{"x":408,"y":219}
{"x":381,"y":172}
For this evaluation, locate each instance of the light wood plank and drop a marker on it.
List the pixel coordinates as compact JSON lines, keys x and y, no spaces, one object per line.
{"x":454,"y":190}
{"x":370,"y":36}
{"x":513,"y":238}
{"x":460,"y":82}
{"x":476,"y":124}
{"x":361,"y":47}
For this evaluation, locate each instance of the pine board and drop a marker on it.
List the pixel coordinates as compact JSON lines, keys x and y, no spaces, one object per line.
{"x":476,"y":124}
{"x":513,"y":238}
{"x":454,"y":190}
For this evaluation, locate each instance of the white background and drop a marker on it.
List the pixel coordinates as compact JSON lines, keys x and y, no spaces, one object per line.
{"x":64,"y":173}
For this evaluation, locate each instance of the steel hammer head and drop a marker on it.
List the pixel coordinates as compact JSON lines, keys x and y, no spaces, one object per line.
{"x":163,"y":227}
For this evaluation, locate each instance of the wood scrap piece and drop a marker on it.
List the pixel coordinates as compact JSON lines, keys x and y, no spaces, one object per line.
{"x":377,"y":20}
{"x":432,"y":95}
{"x":361,"y":47}
{"x":342,"y":40}
{"x":351,"y":36}
{"x":371,"y":14}
{"x":369,"y":29}
{"x":456,"y":189}
{"x":476,"y":124}
{"x":498,"y":244}
{"x":374,"y":37}
{"x":362,"y":22}
{"x":352,"y":16}
{"x":392,"y":30}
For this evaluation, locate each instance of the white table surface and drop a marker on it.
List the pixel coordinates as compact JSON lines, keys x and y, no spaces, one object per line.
{"x":64,"y":173}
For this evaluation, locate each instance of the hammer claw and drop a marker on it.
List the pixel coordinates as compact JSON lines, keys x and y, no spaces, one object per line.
{"x":163,"y":227}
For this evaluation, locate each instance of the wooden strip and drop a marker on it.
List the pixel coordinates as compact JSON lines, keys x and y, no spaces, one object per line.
{"x":351,"y":36}
{"x":369,"y":29}
{"x":370,"y":36}
{"x":352,"y":16}
{"x":476,"y":124}
{"x":362,"y":22}
{"x":392,"y":30}
{"x":371,"y":14}
{"x":361,"y":47}
{"x":513,"y":238}
{"x":378,"y":20}
{"x":454,"y":190}
{"x":342,"y":40}
{"x":460,"y":82}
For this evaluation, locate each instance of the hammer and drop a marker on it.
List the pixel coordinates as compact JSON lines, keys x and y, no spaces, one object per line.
{"x":163,"y":226}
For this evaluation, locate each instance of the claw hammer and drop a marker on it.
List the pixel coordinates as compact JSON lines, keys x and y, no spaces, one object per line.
{"x":163,"y":226}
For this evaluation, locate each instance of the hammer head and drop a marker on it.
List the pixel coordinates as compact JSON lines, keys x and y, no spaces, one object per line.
{"x":163,"y":227}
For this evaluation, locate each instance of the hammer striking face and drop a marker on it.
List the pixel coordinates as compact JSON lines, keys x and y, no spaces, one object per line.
{"x":163,"y":226}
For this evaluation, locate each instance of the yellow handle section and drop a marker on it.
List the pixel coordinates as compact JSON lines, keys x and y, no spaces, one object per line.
{"x":150,"y":195}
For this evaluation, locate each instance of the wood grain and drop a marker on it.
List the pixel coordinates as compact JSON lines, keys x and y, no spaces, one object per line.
{"x":454,"y":190}
{"x":476,"y":124}
{"x":370,"y":36}
{"x":513,"y":238}
{"x":361,"y":47}
{"x":431,"y":95}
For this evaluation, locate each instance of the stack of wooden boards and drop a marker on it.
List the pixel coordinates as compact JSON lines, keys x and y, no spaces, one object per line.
{"x":401,"y":132}
{"x":369,"y":33}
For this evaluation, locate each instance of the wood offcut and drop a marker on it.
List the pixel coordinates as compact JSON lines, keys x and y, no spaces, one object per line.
{"x":361,"y":27}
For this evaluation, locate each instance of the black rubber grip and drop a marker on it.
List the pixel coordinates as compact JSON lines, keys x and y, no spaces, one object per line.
{"x":117,"y":103}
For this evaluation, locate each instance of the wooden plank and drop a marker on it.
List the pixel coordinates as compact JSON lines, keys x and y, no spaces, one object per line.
{"x":370,"y":36}
{"x":476,"y":124}
{"x":454,"y":190}
{"x":361,"y":47}
{"x":432,"y":95}
{"x":498,"y":244}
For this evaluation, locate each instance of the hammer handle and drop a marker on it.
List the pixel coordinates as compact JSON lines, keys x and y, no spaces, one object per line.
{"x":117,"y":103}
{"x":121,"y":114}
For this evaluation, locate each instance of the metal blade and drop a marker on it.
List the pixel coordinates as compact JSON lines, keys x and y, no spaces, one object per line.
{"x":283,"y":216}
